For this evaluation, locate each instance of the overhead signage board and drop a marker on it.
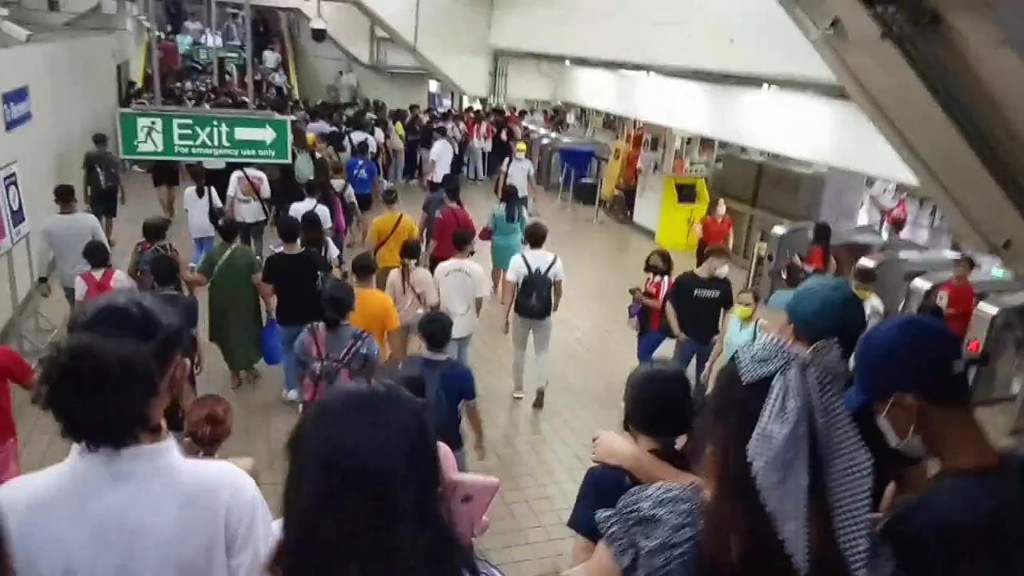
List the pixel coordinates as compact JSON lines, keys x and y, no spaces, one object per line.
{"x":234,"y":56}
{"x":17,"y":108}
{"x":190,"y":136}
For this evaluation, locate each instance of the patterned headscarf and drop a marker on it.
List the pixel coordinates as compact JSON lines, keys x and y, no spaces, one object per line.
{"x":806,"y":396}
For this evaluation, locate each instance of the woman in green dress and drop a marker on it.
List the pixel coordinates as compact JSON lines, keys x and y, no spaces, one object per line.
{"x":236,"y":320}
{"x":507,"y":224}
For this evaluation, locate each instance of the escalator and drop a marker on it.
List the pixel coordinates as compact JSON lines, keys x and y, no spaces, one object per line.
{"x":942,"y":80}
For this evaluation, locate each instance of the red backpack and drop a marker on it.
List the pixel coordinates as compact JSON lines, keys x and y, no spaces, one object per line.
{"x":95,"y":287}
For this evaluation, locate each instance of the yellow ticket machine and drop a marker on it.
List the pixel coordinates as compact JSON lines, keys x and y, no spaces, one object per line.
{"x":613,"y":171}
{"x":684,"y":202}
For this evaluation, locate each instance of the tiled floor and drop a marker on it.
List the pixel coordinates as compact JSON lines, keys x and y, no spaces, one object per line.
{"x":540,"y":457}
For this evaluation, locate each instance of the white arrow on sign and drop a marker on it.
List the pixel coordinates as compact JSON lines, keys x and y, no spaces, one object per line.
{"x":264,"y":134}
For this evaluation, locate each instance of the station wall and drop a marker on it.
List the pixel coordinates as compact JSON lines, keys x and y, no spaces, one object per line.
{"x":318,"y":66}
{"x":740,"y":37}
{"x":450,"y":35}
{"x":73,"y":90}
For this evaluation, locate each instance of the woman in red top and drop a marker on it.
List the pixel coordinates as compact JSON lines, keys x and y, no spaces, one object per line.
{"x":715,"y":230}
{"x":957,"y":297}
{"x":13,"y":369}
{"x":450,"y":218}
{"x":658,"y":268}
{"x":819,"y":255}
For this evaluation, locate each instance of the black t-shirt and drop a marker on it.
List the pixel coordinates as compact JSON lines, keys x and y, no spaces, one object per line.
{"x":102,"y":170}
{"x":699,"y":303}
{"x":187,"y":308}
{"x":601,"y":488}
{"x":965,"y":524}
{"x":296,"y":282}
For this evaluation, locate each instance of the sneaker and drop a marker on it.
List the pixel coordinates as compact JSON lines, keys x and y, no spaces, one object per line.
{"x":290,"y":396}
{"x":518,"y":395}
{"x":538,"y":399}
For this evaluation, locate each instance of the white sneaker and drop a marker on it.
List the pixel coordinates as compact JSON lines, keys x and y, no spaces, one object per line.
{"x":290,"y":396}
{"x":518,"y":395}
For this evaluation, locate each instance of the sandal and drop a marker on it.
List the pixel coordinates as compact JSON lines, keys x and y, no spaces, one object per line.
{"x":253,"y":376}
{"x":236,"y":380}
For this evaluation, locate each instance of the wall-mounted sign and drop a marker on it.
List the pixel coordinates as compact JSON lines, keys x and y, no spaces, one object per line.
{"x":17,"y":108}
{"x":204,"y":135}
{"x":14,"y":204}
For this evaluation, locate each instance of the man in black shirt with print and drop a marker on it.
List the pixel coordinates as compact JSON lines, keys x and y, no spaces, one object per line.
{"x":693,"y":312}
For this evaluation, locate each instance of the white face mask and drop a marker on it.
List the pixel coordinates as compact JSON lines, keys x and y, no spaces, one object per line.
{"x":722,"y":271}
{"x":720,"y":211}
{"x":520,"y":155}
{"x":912,"y":446}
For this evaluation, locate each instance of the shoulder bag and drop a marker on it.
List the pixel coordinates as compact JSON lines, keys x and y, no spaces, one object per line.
{"x":394,"y":228}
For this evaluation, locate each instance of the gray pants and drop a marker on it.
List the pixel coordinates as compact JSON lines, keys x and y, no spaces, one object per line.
{"x":458,"y":349}
{"x":522,"y":328}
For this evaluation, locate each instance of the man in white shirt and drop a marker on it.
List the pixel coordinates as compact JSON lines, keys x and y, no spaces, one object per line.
{"x":248,"y":191}
{"x":271,"y":58}
{"x":519,"y":172}
{"x":127,"y":500}
{"x":362,"y":134}
{"x":312,"y":203}
{"x":462,"y":285}
{"x":63,"y":237}
{"x":533,"y":290}
{"x":441,"y":156}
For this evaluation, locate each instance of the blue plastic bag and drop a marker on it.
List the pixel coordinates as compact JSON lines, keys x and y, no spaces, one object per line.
{"x":270,"y":340}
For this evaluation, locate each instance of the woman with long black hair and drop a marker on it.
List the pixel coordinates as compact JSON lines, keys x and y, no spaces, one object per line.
{"x":412,"y":288}
{"x":362,"y":493}
{"x":819,"y":256}
{"x":507,"y":224}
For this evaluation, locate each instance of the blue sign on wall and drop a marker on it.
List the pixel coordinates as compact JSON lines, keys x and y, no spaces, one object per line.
{"x":17,"y":108}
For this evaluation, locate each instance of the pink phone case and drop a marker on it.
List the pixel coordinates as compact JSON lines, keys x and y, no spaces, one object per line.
{"x":468,"y":496}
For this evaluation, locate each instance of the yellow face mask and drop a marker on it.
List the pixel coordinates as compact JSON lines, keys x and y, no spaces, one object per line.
{"x":743,"y":312}
{"x":863,"y":293}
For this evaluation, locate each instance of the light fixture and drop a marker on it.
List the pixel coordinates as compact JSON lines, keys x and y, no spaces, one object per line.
{"x":568,"y":62}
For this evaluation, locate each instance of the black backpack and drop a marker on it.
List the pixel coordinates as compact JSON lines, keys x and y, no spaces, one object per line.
{"x":534,"y":300}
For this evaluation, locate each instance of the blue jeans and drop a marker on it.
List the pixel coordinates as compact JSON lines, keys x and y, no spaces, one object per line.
{"x":647,"y":344}
{"x":686,"y":351}
{"x":458,"y":349}
{"x":200,"y":246}
{"x":289,"y":334}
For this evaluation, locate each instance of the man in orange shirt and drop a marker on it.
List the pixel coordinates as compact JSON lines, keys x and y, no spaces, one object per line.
{"x":957,"y":297}
{"x":374,"y":311}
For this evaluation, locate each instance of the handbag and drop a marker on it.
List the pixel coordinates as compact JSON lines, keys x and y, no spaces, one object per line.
{"x":211,"y":211}
{"x":487,"y":233}
{"x":270,"y":343}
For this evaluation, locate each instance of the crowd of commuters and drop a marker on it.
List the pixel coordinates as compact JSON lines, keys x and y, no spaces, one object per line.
{"x":801,"y":446}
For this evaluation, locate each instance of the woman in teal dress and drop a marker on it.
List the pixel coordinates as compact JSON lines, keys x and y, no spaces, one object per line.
{"x":231,"y":271}
{"x":508,"y":221}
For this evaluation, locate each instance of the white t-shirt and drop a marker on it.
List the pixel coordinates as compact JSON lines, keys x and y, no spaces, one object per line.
{"x":198,"y":210}
{"x":460,"y":281}
{"x":120,"y":281}
{"x":874,"y":310}
{"x":358,"y":136}
{"x":539,"y":259}
{"x":298,"y":209}
{"x":378,"y":135}
{"x":248,"y":209}
{"x":209,"y":513}
{"x":441,"y":153}
{"x":271,"y":59}
{"x":519,"y":174}
{"x":332,"y":251}
{"x":341,"y":186}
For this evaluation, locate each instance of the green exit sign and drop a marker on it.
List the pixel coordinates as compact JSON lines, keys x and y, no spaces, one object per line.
{"x":189,"y":136}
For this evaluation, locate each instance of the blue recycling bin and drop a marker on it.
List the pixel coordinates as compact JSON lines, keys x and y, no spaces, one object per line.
{"x":576,"y":161}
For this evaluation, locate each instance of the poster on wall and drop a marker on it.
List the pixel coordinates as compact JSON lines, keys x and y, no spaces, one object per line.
{"x":14,"y":204}
{"x":5,"y":236}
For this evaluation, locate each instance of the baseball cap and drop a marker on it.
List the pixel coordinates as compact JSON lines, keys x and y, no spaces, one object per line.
{"x":915,"y":355}
{"x":520,"y":146}
{"x":825,"y":307}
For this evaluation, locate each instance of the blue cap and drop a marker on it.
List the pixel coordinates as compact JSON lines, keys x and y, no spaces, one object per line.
{"x":824,"y":307}
{"x":915,"y":355}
